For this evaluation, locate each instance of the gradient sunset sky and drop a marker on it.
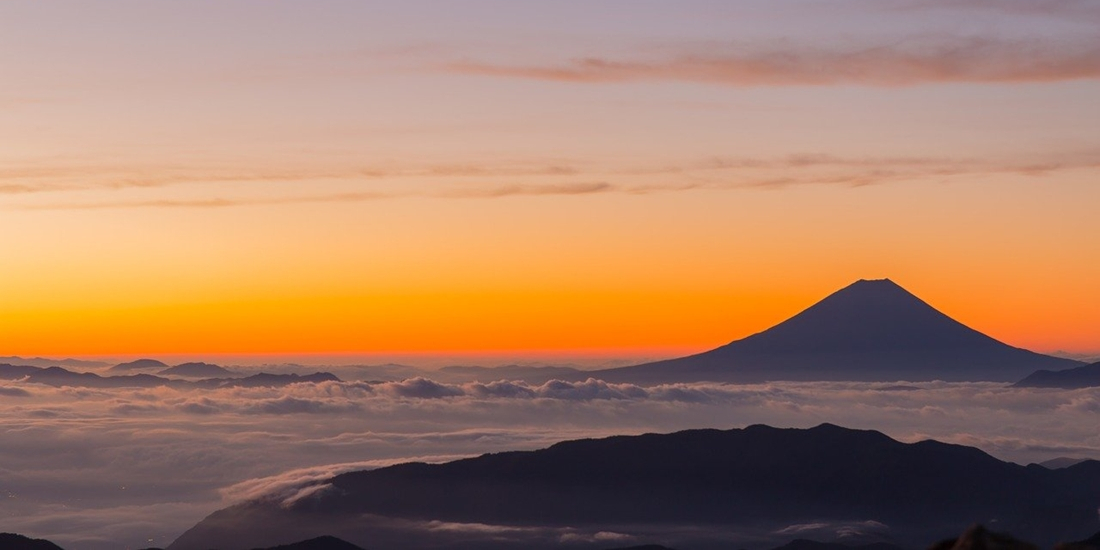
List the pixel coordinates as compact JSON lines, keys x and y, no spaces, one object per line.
{"x":622,"y":178}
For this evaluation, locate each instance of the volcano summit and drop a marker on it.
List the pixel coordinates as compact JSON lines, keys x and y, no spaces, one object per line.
{"x":870,"y":330}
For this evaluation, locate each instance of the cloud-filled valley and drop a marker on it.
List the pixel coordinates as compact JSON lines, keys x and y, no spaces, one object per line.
{"x":89,"y":467}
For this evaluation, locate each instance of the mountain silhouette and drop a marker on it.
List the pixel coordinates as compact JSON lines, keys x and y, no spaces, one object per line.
{"x":696,"y":489}
{"x":47,"y":362}
{"x":869,"y":330}
{"x":11,"y":541}
{"x":643,"y":547}
{"x":265,"y":379}
{"x":319,"y":543}
{"x":1093,"y":541}
{"x":807,"y":544}
{"x":140,"y":364}
{"x":1086,"y":376}
{"x":977,"y":537}
{"x":59,"y":377}
{"x":1061,"y":462}
{"x":196,"y":370}
{"x":15,"y":372}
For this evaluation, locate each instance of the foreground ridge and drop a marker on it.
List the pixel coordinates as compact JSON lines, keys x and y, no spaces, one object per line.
{"x":704,"y":486}
{"x":976,"y":537}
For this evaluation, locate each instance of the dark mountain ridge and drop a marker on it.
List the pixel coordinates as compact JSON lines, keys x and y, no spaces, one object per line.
{"x":14,"y":372}
{"x":807,"y":544}
{"x":47,"y":362}
{"x":58,"y":377}
{"x":1061,"y":462}
{"x":139,"y":364}
{"x":11,"y":541}
{"x":196,"y":370}
{"x":709,"y":483}
{"x":319,"y":543}
{"x":1087,"y":376}
{"x":870,"y":330}
{"x":1094,"y":540}
{"x":264,"y":379}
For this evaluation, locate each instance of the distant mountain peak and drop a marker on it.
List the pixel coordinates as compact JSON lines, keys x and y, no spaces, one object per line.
{"x":12,"y":541}
{"x":872,"y":329}
{"x":139,"y":364}
{"x":1085,"y":376}
{"x":319,"y":543}
{"x":196,"y":370}
{"x":883,"y":281}
{"x":882,"y":289}
{"x":868,"y":315}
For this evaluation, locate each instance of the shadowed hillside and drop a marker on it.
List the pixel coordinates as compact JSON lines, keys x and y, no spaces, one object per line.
{"x":10,"y":541}
{"x":1086,"y":376}
{"x":702,"y":486}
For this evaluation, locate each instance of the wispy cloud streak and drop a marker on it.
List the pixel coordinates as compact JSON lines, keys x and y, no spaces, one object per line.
{"x":1081,"y":11}
{"x":465,"y":193}
{"x":511,"y":190}
{"x":45,"y":179}
{"x":471,"y":182}
{"x":931,"y":60}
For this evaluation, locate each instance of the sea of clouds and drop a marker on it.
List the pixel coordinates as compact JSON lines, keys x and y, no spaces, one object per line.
{"x":93,"y":469}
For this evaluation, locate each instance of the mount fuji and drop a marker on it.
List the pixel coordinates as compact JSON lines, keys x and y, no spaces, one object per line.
{"x":871,"y":330}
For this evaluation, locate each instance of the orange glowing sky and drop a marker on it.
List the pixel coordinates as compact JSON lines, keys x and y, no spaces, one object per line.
{"x":617,"y":178}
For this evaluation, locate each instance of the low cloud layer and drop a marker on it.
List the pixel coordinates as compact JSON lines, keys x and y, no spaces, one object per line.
{"x":289,"y":486}
{"x":834,"y":530}
{"x":75,"y":462}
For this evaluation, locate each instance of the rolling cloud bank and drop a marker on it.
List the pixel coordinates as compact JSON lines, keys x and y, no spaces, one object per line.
{"x":92,"y":467}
